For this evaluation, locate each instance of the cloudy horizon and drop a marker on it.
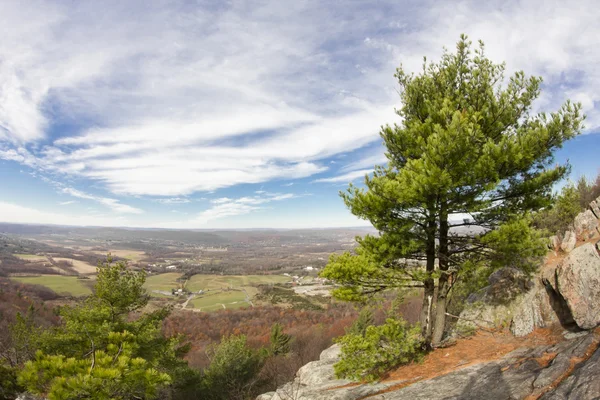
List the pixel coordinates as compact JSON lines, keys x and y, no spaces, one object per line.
{"x":243,"y":114}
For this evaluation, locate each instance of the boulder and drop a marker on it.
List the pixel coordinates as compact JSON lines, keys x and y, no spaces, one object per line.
{"x":585,"y":224}
{"x":569,"y":241}
{"x":504,"y":286}
{"x":496,"y":304}
{"x":554,"y":243}
{"x":578,"y":282}
{"x":532,"y":311}
{"x":595,"y":207}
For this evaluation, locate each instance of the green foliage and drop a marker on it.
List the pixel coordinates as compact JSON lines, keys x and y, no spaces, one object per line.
{"x":100,"y":352}
{"x":572,"y":199}
{"x":516,"y":244}
{"x":280,"y":341}
{"x":233,"y":369}
{"x":9,"y":388}
{"x":110,"y":374}
{"x":560,"y":215}
{"x":364,"y":320}
{"x":468,"y":144}
{"x":588,"y":191}
{"x":120,"y":289}
{"x":24,"y":337}
{"x":381,"y":348}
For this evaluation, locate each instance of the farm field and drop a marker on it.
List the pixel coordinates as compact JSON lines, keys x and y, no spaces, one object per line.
{"x":212,"y":282}
{"x":60,"y":284}
{"x":219,"y":300}
{"x":31,"y":257}
{"x":79,"y":266}
{"x":163,"y":282}
{"x":132,"y":255}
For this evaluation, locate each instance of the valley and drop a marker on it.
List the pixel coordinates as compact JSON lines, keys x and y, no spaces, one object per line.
{"x":190,"y":270}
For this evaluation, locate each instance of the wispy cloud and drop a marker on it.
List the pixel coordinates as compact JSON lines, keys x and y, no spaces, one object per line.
{"x":66,"y":203}
{"x":189,"y":98}
{"x":174,"y":200}
{"x":226,"y":207}
{"x":368,"y":160}
{"x":113,"y":204}
{"x":348,"y":177}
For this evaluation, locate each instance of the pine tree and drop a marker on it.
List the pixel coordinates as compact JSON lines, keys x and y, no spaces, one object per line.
{"x":280,"y":341}
{"x":466,"y":166}
{"x":100,"y":352}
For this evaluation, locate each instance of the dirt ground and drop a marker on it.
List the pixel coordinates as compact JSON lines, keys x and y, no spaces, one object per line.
{"x":483,"y":346}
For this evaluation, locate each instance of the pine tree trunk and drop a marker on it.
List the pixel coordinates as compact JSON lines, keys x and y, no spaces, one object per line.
{"x":427,"y":310}
{"x":426,"y":317}
{"x":440,"y":311}
{"x":443,"y":282}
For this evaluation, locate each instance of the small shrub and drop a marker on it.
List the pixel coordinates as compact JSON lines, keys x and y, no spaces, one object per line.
{"x":380,"y":349}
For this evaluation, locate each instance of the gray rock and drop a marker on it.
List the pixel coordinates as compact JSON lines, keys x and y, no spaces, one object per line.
{"x":554,"y":243}
{"x":515,"y":376}
{"x":265,"y":396}
{"x":595,"y":207}
{"x":578,"y":282}
{"x":585,"y":224}
{"x":532,"y":311}
{"x":568,"y":242}
{"x":582,"y":384}
{"x":331,"y":353}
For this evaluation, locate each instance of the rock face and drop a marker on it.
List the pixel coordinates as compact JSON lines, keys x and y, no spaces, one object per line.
{"x":497,"y":303}
{"x":569,"y":241}
{"x":525,"y":372}
{"x":585,"y":224}
{"x":316,"y":379}
{"x":531,"y":311}
{"x":578,"y":282}
{"x":568,"y":293}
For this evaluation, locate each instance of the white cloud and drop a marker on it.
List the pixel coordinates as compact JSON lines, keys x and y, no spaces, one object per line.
{"x":174,"y":200}
{"x":369,"y":160}
{"x":66,"y":203}
{"x":113,"y":204}
{"x":184,"y":99}
{"x":345,"y":178}
{"x":14,"y":213}
{"x":226,"y":207}
{"x":171,"y":103}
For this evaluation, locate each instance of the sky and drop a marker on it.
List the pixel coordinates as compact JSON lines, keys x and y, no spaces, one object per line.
{"x":236,"y":114}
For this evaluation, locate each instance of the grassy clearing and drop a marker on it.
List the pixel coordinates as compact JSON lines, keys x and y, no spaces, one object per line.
{"x":213,"y":282}
{"x":215,"y":301}
{"x":80,"y":266}
{"x":64,"y":285}
{"x":131,"y":255}
{"x":31,"y":257}
{"x":164,"y":282}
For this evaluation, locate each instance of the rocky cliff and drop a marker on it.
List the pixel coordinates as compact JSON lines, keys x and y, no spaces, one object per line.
{"x":563,"y":298}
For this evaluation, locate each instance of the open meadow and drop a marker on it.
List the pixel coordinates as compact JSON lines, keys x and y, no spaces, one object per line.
{"x":162,"y":282}
{"x":211,"y":282}
{"x":67,"y":285}
{"x":31,"y":257}
{"x":80,"y":266}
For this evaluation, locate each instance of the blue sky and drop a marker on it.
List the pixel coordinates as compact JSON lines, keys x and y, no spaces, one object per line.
{"x":235,"y":114}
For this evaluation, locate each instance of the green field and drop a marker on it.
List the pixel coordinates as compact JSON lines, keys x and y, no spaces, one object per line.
{"x":31,"y":257}
{"x":164,"y":282}
{"x":211,"y":282}
{"x":66,"y":285}
{"x":216,"y":287}
{"x":215,"y":301}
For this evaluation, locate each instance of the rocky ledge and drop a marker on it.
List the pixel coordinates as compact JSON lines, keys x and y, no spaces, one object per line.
{"x":564,"y":294}
{"x":566,"y":370}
